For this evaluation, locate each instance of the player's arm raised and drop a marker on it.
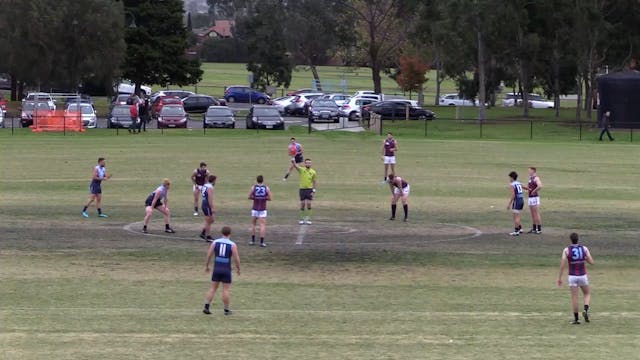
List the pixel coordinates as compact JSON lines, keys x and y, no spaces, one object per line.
{"x":563,"y":262}
{"x":236,"y":258}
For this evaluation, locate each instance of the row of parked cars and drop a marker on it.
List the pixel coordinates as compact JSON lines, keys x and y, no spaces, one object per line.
{"x":331,"y":107}
{"x":44,"y":102}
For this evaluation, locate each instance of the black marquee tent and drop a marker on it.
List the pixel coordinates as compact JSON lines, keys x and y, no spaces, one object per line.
{"x":619,"y":93}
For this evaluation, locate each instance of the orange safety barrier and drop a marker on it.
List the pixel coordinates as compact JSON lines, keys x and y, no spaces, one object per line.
{"x":56,"y":120}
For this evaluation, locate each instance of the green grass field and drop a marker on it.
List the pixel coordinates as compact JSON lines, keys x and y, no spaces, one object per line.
{"x":450,"y":284}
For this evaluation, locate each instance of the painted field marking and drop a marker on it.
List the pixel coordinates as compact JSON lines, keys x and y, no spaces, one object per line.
{"x":302,"y":231}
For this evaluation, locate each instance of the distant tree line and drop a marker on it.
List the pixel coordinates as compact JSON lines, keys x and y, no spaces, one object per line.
{"x":559,"y":46}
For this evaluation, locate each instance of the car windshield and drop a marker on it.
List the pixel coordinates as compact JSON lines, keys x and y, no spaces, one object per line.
{"x":31,"y":106}
{"x":84,"y":109}
{"x":122,"y":98}
{"x":171,"y":101}
{"x":121,"y":111}
{"x":266,"y":112}
{"x":219,"y":112}
{"x":536,"y":97}
{"x":171,"y":110}
{"x":324,"y":103}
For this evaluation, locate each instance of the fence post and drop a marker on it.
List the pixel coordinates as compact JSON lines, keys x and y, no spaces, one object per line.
{"x":481,"y":128}
{"x":631,"y":130}
{"x":426,"y":126}
{"x":580,"y":129}
{"x":530,"y":129}
{"x":309,"y":126}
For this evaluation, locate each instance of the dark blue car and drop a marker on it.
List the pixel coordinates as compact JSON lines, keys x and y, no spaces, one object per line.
{"x":245,"y":94}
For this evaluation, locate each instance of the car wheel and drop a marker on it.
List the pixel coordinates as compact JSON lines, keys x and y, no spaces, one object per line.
{"x":261,"y":101}
{"x":353,"y":116}
{"x":231,"y":99}
{"x":422,"y":117}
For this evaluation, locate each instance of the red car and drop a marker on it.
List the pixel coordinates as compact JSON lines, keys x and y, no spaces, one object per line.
{"x":172,"y":116}
{"x":161,"y":101}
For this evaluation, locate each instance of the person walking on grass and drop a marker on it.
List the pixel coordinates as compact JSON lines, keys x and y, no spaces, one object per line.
{"x":389,"y":148}
{"x":606,"y":122}
{"x":95,"y":188}
{"x":575,"y":257}
{"x":399,"y":191}
{"x":154,"y":201}
{"x":207,"y":208}
{"x":223,"y":251}
{"x":259,"y":194}
{"x":516,"y":202}
{"x":308,"y":180}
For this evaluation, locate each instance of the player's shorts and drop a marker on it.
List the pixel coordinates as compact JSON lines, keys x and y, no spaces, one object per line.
{"x":298,"y":158}
{"x":197,"y":188}
{"x":95,"y":188}
{"x":575,"y":281}
{"x":306,"y":194}
{"x":389,"y":160}
{"x":259,"y":213}
{"x":534,"y":201}
{"x":206,"y":210}
{"x":221,"y":276}
{"x":518,"y":204}
{"x":405,"y":191}
{"x":149,"y":201}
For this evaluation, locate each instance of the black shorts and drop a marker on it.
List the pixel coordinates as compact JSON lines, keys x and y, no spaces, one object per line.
{"x":149,"y":201}
{"x":95,"y":188}
{"x":223,"y":277}
{"x":306,"y":194}
{"x":206,"y":210}
{"x":299,"y":158}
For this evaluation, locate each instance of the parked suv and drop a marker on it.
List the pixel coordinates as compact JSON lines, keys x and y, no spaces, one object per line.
{"x":351,"y":109}
{"x":397,"y":110}
{"x":41,"y":97}
{"x":245,"y":94}
{"x":87,"y":113}
{"x":119,"y":117}
{"x":300,"y":105}
{"x":264,"y":117}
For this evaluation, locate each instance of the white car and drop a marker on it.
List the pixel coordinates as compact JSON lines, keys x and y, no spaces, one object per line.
{"x":351,"y":109}
{"x":364,"y":93}
{"x":340,"y":99}
{"x":535,"y":101}
{"x":89,"y":118}
{"x":282,"y":102}
{"x":41,"y":97}
{"x":1,"y":119}
{"x":455,"y":100}
{"x":300,"y":104}
{"x":129,"y":88}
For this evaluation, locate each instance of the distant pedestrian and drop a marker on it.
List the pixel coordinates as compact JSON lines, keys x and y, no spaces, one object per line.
{"x":606,"y":122}
{"x":95,"y":188}
{"x":223,"y":251}
{"x":133,"y":113}
{"x":143,"y":113}
{"x":575,"y":257}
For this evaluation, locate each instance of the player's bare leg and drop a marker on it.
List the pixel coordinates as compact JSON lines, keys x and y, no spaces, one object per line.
{"x":574,"y":304}
{"x":205,"y":234}
{"x":167,"y":217}
{"x":386,"y":171}
{"x":226,"y":299}
{"x":516,"y":225}
{"x":302,"y":213}
{"x":196,"y":197}
{"x":90,"y":200}
{"x":394,"y":202}
{"x":148,"y":211}
{"x":262,"y":223}
{"x":587,"y":299}
{"x":208,"y":297}
{"x":253,"y":231}
{"x":308,"y":217}
{"x":99,"y":205}
{"x":405,"y":206}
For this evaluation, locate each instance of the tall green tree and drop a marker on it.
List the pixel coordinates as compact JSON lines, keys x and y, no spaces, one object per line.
{"x":314,"y":31}
{"x":269,"y":60}
{"x":60,"y":43}
{"x":156,"y":45}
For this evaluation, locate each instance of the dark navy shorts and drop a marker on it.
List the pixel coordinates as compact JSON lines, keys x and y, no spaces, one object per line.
{"x":299,"y":158}
{"x":518,"y":204}
{"x":206,"y":210}
{"x":306,"y":194}
{"x":95,"y":188}
{"x":150,"y":200}
{"x":221,"y":276}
